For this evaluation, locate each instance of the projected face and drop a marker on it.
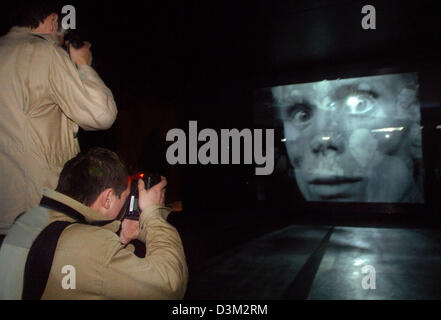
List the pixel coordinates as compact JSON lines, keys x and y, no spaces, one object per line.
{"x":354,"y":140}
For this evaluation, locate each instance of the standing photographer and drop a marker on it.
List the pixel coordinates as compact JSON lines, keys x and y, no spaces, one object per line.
{"x":45,"y":97}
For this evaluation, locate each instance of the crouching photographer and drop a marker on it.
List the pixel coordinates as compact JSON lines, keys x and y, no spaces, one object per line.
{"x":68,"y":247}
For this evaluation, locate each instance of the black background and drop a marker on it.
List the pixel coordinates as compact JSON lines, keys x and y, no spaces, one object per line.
{"x":169,"y":62}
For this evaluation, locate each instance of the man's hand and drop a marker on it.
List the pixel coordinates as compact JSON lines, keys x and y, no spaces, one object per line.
{"x":147,"y":198}
{"x":129,"y":231}
{"x":82,"y":56}
{"x":153,"y":196}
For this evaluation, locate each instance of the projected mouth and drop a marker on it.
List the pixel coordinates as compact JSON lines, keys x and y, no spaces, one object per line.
{"x":334,"y":180}
{"x":335,"y":187}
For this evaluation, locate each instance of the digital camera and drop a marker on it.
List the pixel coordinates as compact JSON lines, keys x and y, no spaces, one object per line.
{"x":72,"y":37}
{"x":130,"y":210}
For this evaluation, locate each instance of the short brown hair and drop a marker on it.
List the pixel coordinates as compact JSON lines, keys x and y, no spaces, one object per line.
{"x":84,"y":177}
{"x":30,"y":13}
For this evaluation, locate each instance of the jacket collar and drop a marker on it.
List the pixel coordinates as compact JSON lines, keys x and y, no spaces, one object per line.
{"x":25,"y":30}
{"x":90,"y":216}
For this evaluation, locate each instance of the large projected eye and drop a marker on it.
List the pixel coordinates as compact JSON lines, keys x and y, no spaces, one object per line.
{"x":359,"y":104}
{"x":301,"y":114}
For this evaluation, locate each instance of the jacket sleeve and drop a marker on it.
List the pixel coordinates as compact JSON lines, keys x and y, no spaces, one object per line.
{"x":80,"y":93}
{"x":161,"y":275}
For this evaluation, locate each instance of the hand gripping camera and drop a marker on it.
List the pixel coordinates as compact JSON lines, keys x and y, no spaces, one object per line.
{"x":72,"y":37}
{"x":130,"y":210}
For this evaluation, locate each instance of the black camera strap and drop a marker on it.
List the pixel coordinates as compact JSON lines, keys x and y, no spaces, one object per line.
{"x":61,"y":207}
{"x":39,"y":260}
{"x":38,"y":36}
{"x":68,"y":211}
{"x":41,"y":255}
{"x":42,"y":252}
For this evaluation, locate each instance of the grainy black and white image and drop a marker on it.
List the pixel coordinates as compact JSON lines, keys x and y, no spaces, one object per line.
{"x":353,"y":140}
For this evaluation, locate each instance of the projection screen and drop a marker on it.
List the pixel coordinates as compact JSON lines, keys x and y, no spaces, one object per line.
{"x":352,"y":140}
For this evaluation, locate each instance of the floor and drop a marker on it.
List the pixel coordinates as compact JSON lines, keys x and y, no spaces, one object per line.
{"x":315,"y":263}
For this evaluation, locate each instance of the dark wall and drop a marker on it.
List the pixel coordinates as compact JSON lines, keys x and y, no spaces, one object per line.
{"x":171,"y":62}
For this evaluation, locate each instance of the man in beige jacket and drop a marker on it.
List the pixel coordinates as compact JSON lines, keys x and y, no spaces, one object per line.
{"x":45,"y":97}
{"x":91,"y":192}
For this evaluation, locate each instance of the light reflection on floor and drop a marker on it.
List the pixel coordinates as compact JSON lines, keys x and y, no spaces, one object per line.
{"x":406,"y":265}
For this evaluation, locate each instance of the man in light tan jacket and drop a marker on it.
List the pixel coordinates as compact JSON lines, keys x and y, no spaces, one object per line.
{"x":91,"y":192}
{"x":45,"y":96}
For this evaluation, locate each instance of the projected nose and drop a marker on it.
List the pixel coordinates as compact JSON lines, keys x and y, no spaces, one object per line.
{"x":324,"y":143}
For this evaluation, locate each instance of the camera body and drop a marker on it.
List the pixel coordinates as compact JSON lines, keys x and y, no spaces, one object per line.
{"x":130,"y":209}
{"x":72,"y":37}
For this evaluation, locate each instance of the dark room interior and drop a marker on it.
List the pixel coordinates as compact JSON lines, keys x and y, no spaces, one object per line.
{"x":169,"y":63}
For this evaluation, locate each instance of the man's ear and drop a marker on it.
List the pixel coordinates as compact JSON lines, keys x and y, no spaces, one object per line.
{"x":107,"y":198}
{"x":52,"y":17}
{"x":104,"y":201}
{"x":51,"y":22}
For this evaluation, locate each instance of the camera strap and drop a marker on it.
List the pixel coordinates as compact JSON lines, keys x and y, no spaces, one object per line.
{"x":42,"y":252}
{"x":61,"y":207}
{"x":39,"y":260}
{"x":38,"y":36}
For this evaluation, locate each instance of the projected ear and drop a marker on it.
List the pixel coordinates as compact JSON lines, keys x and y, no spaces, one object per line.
{"x":416,"y":147}
{"x":408,"y":101}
